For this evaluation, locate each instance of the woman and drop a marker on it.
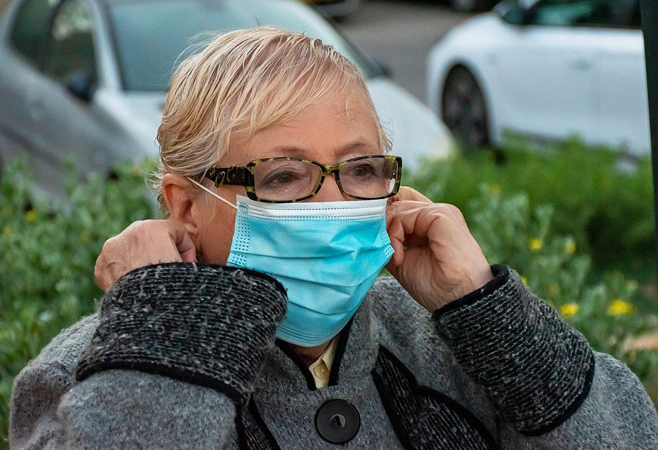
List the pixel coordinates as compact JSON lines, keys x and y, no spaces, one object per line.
{"x":252,"y":318}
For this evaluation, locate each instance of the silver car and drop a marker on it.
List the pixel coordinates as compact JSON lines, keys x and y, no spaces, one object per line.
{"x":88,"y":78}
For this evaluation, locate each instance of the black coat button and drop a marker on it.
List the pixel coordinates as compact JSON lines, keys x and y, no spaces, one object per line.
{"x":337,"y":421}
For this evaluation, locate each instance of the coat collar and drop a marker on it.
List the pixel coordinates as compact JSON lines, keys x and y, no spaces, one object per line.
{"x":284,"y":373}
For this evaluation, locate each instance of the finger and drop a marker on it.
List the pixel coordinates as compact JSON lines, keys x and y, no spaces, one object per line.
{"x":402,"y":205}
{"x":183,"y":241}
{"x":409,"y":229}
{"x":397,"y":236}
{"x":99,"y":276}
{"x":106,"y":277}
{"x":407,"y":193}
{"x":406,"y":205}
{"x":456,"y":212}
{"x":398,"y":251}
{"x":102,"y":276}
{"x":189,"y":255}
{"x":416,"y":223}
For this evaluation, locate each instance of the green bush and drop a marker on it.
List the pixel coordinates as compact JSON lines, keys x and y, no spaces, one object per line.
{"x":576,"y":222}
{"x":47,"y":259}
{"x":49,"y":250}
{"x":607,"y":210}
{"x":512,"y":232}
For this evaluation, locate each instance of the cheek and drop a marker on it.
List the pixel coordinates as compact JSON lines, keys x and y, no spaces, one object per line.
{"x":215,"y":237}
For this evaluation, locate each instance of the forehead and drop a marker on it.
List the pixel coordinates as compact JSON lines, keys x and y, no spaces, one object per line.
{"x":329,"y":130}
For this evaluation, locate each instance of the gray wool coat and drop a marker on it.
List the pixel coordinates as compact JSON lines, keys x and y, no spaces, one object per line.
{"x":183,"y":356}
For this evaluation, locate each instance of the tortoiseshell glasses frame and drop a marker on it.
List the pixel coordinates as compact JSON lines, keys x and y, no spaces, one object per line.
{"x":244,"y":176}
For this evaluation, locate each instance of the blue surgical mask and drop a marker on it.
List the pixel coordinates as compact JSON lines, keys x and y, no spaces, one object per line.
{"x":326,"y":254}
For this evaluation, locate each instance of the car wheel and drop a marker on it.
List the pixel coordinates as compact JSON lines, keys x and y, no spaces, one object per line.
{"x":472,"y":5}
{"x":464,"y":110}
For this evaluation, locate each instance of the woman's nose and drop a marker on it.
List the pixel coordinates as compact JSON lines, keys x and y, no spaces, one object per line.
{"x":329,"y":192}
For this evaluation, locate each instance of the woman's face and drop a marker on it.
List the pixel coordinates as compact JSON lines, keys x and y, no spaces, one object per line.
{"x":329,"y":131}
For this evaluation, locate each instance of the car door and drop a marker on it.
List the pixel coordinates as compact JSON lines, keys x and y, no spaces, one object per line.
{"x":547,"y":75}
{"x":623,"y":115}
{"x":25,"y":30}
{"x":65,"y":111}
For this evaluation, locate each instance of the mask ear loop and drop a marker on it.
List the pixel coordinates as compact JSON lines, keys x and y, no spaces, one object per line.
{"x":214,"y":194}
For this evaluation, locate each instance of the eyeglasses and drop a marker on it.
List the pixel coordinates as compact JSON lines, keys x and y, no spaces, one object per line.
{"x":288,"y":180}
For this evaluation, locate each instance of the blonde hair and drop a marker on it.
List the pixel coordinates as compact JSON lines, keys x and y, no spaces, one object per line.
{"x":240,"y":83}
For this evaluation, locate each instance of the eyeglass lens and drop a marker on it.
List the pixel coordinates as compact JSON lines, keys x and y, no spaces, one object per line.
{"x":286,"y":180}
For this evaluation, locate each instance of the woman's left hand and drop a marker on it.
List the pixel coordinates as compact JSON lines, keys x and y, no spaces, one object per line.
{"x":436,"y":258}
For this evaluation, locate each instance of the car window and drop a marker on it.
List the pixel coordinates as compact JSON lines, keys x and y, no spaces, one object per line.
{"x":634,"y":17}
{"x":31,"y":28}
{"x":149,"y":35}
{"x":70,"y":48}
{"x":587,"y":13}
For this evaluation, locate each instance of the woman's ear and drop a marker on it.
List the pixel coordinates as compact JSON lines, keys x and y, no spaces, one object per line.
{"x":181,"y":203}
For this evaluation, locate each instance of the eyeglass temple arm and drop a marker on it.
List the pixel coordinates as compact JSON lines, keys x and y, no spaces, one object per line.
{"x":234,"y":175}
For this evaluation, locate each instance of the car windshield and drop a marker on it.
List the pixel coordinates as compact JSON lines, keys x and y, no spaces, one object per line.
{"x":150,"y":35}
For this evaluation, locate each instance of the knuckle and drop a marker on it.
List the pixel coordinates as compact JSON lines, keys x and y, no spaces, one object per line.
{"x":456,"y":211}
{"x":133,"y":226}
{"x":447,"y":208}
{"x":107,"y":246}
{"x":137,"y":227}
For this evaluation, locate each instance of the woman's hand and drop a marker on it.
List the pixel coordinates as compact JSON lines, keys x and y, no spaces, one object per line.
{"x":436,"y":258}
{"x":141,"y":244}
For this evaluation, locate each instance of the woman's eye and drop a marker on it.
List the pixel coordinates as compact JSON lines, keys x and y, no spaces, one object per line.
{"x":283,"y":177}
{"x":362,"y":170}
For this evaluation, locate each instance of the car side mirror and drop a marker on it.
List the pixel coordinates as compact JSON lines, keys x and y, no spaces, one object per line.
{"x":81,"y":83}
{"x":516,"y":12}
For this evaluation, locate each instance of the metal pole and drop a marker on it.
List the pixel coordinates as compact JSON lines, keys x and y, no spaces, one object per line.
{"x":650,"y":29}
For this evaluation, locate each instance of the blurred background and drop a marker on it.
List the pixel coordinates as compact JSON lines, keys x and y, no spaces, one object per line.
{"x":529,"y":115}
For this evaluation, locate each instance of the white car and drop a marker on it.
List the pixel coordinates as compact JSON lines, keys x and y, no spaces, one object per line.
{"x":87,"y":78}
{"x":548,"y":69}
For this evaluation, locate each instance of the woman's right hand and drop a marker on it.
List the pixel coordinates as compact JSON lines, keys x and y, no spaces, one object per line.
{"x":141,"y":244}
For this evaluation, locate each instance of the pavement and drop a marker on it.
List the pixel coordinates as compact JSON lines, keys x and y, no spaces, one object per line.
{"x":399,"y":34}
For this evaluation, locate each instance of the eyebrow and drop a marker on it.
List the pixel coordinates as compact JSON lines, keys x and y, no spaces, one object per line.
{"x":300,"y":152}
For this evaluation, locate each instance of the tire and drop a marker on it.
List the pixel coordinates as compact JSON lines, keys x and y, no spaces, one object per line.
{"x":472,"y":5}
{"x":464,"y":109}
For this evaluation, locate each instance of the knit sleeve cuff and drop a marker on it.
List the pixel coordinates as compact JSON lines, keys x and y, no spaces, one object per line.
{"x":534,"y":367}
{"x":203,"y":324}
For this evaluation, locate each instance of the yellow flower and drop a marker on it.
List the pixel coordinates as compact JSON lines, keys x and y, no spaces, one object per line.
{"x":570,"y":247}
{"x":31,"y":215}
{"x":6,"y":231}
{"x":524,"y":279}
{"x":535,"y":244}
{"x":569,"y":309}
{"x":619,"y":307}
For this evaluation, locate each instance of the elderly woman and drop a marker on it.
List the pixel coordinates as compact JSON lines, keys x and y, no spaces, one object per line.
{"x":254,"y":318}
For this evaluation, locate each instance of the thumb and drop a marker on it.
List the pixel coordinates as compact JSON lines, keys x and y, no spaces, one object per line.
{"x":189,"y":255}
{"x":183,"y":241}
